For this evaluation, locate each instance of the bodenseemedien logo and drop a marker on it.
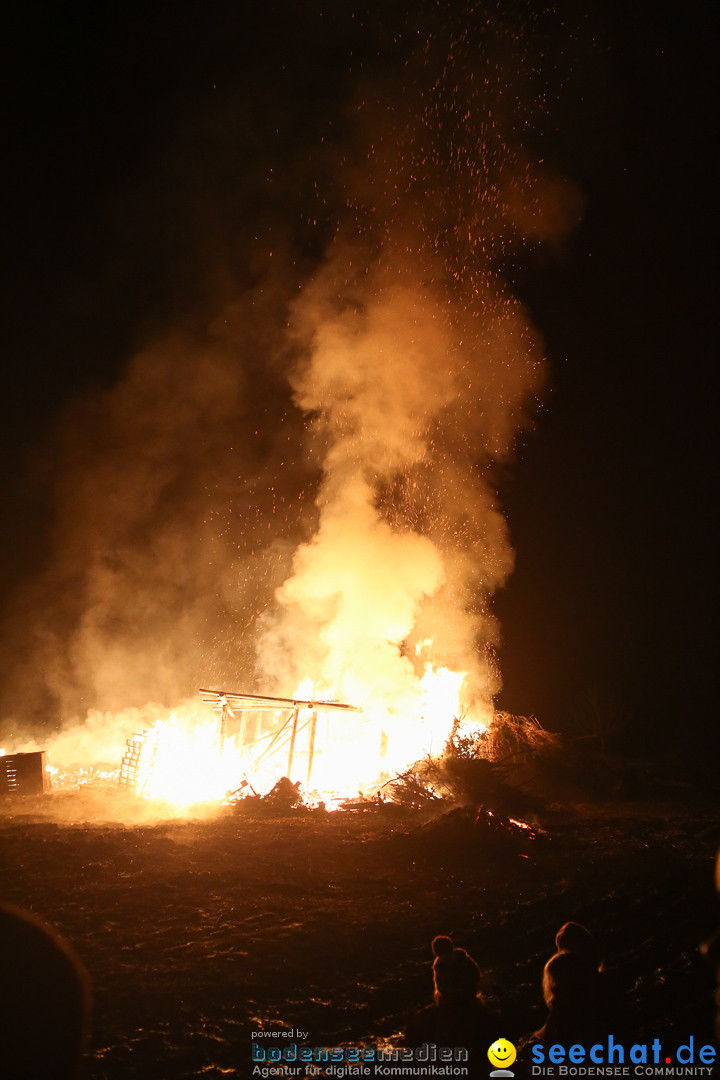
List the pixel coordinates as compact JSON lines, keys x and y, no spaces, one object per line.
{"x":502,"y":1054}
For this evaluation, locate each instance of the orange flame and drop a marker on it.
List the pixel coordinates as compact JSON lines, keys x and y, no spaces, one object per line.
{"x":182,"y":759}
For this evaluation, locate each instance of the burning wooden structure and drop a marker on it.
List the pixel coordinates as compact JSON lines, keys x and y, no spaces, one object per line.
{"x":261,"y":728}
{"x":249,"y":710}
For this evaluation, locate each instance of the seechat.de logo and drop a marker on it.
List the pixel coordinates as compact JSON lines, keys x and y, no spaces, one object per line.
{"x":502,"y":1054}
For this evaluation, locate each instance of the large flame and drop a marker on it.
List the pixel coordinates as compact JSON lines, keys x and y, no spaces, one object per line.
{"x":187,"y":757}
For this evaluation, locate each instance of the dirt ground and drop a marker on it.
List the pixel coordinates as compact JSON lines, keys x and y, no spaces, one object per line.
{"x":197,"y":932}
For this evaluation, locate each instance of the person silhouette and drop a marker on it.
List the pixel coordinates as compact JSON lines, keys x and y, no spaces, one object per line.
{"x":44,"y":1001}
{"x":711,"y":951}
{"x":458,"y":1016}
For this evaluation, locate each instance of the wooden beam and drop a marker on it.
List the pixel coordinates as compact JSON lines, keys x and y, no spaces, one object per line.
{"x":292,"y":742}
{"x":274,"y":739}
{"x":311,"y":746}
{"x":253,"y":701}
{"x":223,"y":724}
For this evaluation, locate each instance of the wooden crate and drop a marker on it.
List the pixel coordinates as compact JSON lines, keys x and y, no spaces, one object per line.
{"x":24,"y":774}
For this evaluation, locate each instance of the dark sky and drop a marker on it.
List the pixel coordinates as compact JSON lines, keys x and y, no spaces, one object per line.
{"x":611,"y":508}
{"x":129,"y":209}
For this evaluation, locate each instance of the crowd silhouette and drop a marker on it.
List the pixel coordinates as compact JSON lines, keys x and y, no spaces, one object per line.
{"x":582,"y":1001}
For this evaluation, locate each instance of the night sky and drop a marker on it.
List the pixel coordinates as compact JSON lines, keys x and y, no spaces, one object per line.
{"x":154,"y":154}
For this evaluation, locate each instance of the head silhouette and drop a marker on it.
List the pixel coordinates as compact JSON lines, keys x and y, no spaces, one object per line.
{"x":567,"y":982}
{"x":575,"y":938}
{"x":456,"y":974}
{"x":43,"y":1001}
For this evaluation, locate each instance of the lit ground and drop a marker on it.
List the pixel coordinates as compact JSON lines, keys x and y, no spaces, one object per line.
{"x":196,"y":932}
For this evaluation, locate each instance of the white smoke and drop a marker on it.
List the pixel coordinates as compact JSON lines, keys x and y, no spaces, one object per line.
{"x":253,"y":506}
{"x":408,"y":403}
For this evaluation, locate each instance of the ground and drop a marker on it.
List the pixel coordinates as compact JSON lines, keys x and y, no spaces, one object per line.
{"x":198,"y":932}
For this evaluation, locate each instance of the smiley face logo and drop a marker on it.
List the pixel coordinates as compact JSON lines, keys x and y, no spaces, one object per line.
{"x":502,"y":1054}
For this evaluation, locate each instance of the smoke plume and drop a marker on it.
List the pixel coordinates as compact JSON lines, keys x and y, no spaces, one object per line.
{"x":303,"y":486}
